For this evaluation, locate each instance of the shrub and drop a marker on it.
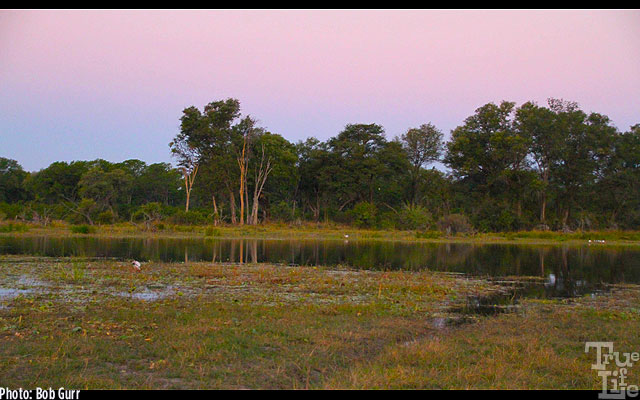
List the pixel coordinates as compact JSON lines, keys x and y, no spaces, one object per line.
{"x":192,"y":217}
{"x":428,"y":235}
{"x":414,"y":217}
{"x":364,"y":214}
{"x":387,"y":220}
{"x":87,"y":211}
{"x":212,"y":231}
{"x":454,"y":223}
{"x":106,"y":217}
{"x":14,"y":228}
{"x":83,"y":229}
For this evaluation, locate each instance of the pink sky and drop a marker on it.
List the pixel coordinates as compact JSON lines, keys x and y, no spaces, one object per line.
{"x":112,"y":84}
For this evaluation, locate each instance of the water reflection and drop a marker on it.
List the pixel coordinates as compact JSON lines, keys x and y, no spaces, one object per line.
{"x":563,"y":268}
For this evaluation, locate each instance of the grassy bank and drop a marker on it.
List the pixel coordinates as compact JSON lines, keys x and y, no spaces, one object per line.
{"x":318,"y":231}
{"x":80,"y":324}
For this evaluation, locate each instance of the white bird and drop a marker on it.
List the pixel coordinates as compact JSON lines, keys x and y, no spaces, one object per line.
{"x":136,"y":264}
{"x":346,"y":236}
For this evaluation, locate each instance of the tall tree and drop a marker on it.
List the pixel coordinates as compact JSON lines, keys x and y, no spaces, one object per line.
{"x":539,"y":125}
{"x":186,"y":148}
{"x":488,"y":153}
{"x":423,"y":146}
{"x":619,"y":187}
{"x":107,"y":189}
{"x":12,"y":177}
{"x":355,"y":163}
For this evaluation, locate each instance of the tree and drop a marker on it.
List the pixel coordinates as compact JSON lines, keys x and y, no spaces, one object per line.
{"x":107,"y":189}
{"x":215,"y":141}
{"x":12,"y":177}
{"x":619,"y":187}
{"x":423,"y":146}
{"x":283,"y":175}
{"x":58,"y":182}
{"x":246,"y":133}
{"x":185,"y":147}
{"x":314,"y":164}
{"x":585,"y":143}
{"x":488,"y":153}
{"x":361,"y":163}
{"x":538,"y":124}
{"x":159,"y":183}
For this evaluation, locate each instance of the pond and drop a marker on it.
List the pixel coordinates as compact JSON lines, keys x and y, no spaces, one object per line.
{"x":565,"y":270}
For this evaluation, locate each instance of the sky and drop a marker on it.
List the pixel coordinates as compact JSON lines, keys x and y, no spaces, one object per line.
{"x":86,"y":84}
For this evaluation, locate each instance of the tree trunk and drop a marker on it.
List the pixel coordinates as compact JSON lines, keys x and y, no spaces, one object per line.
{"x":232,"y":204}
{"x":543,"y":208}
{"x":189,"y":177}
{"x":215,"y":211}
{"x":261,"y":176}
{"x":242,"y":163}
{"x":246,"y":202}
{"x":565,"y":218}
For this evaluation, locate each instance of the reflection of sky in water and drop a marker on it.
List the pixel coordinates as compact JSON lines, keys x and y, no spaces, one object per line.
{"x":557,"y":265}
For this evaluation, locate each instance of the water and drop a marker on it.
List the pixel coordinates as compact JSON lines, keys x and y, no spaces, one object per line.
{"x":560,"y":270}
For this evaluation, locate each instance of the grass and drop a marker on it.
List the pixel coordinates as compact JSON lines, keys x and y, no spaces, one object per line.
{"x":320,"y":231}
{"x":542,"y":348}
{"x":85,"y":229}
{"x":87,"y":324}
{"x":11,"y":227}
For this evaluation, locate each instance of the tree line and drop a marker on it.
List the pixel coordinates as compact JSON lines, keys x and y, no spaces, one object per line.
{"x":544,"y":167}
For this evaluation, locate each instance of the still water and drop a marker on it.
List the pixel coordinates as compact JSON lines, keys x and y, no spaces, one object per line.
{"x":578,"y":265}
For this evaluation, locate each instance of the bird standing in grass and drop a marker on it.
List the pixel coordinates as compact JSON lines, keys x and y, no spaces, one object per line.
{"x":136,"y":265}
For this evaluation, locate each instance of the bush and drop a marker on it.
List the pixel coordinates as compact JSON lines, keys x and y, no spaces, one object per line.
{"x":414,"y":217}
{"x":428,"y":235}
{"x":106,"y":217}
{"x":193,"y":217}
{"x":454,"y":223}
{"x":364,"y":214}
{"x":212,"y":231}
{"x":282,"y":211}
{"x":11,"y":211}
{"x":14,"y":228}
{"x":85,"y":207}
{"x":387,"y":220}
{"x":83,"y":229}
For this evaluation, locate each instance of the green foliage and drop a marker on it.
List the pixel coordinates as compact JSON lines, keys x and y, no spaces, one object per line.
{"x":106,"y":217}
{"x":84,"y":229}
{"x":511,"y":168}
{"x":12,"y":177}
{"x":364,"y":214}
{"x":428,"y":235}
{"x":212,"y":231}
{"x":413,"y":217}
{"x":191,"y":217}
{"x":11,"y":227}
{"x":453,"y":224}
{"x":283,"y":211}
{"x":387,"y":220}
